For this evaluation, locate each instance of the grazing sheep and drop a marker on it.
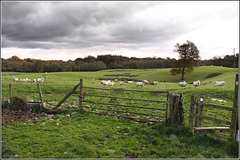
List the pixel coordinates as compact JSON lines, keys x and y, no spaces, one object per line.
{"x":155,"y":82}
{"x":34,"y":80}
{"x":182,"y":84}
{"x":110,"y":84}
{"x":116,"y":79}
{"x":140,"y":84}
{"x":121,"y":83}
{"x":105,"y":83}
{"x":145,"y":82}
{"x":15,"y":79}
{"x":196,"y":83}
{"x":40,"y":80}
{"x":45,"y":73}
{"x":220,"y":83}
{"x":130,"y":82}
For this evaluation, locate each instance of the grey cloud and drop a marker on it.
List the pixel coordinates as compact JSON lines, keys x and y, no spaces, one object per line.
{"x":83,"y":24}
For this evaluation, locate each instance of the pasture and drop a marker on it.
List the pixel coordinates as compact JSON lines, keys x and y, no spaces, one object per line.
{"x":84,"y":135}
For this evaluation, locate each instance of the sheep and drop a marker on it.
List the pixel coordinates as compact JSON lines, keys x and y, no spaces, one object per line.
{"x":34,"y":80}
{"x":155,"y":82}
{"x":130,"y":82}
{"x":121,"y":83}
{"x":220,"y":83}
{"x":116,"y":79}
{"x":45,"y":73}
{"x":40,"y":80}
{"x":196,"y":83}
{"x":15,"y":79}
{"x":182,"y":84}
{"x":145,"y":82}
{"x":105,"y":83}
{"x":140,"y":84}
{"x":110,"y":84}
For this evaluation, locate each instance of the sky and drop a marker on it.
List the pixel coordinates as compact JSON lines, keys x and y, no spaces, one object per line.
{"x":70,"y":30}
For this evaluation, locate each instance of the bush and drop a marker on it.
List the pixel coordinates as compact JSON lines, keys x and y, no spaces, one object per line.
{"x":18,"y":103}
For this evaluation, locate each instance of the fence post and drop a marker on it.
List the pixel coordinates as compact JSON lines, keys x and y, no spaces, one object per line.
{"x":201,"y":111}
{"x":174,"y":107}
{"x":10,"y":93}
{"x":81,"y":96}
{"x":40,"y":94}
{"x":167,"y":106}
{"x":234,"y":120}
{"x":181,"y":111}
{"x":192,"y":112}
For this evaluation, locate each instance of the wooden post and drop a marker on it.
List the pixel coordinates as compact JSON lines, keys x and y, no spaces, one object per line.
{"x":181,"y":112}
{"x":197,"y":115}
{"x":234,"y":125}
{"x":167,"y":106}
{"x":71,"y":92}
{"x":81,"y":96}
{"x":40,"y":94}
{"x":174,"y":109}
{"x":192,"y":112}
{"x":10,"y":93}
{"x":201,"y":111}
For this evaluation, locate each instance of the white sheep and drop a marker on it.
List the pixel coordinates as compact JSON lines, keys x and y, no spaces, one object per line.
{"x":140,"y":84}
{"x":15,"y":79}
{"x":145,"y":82}
{"x":116,"y":79}
{"x":121,"y":83}
{"x":40,"y":80}
{"x":105,"y":83}
{"x":220,"y":83}
{"x":45,"y":73}
{"x":34,"y":80}
{"x":155,"y":82}
{"x":196,"y":83}
{"x":110,"y":84}
{"x":182,"y":84}
{"x":130,"y":82}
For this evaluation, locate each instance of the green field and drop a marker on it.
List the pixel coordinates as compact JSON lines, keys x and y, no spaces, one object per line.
{"x":93,"y":136}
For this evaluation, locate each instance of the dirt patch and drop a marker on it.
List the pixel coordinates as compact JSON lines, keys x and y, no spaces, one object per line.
{"x":9,"y":116}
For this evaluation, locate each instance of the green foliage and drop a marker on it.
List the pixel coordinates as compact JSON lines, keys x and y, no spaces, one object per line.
{"x":188,"y":57}
{"x":18,"y":103}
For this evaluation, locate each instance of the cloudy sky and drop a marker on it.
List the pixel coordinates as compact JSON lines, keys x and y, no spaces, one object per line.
{"x":69,"y":30}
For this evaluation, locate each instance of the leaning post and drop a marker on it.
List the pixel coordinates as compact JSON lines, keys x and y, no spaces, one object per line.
{"x":10,"y":93}
{"x":81,"y":96}
{"x":40,"y":94}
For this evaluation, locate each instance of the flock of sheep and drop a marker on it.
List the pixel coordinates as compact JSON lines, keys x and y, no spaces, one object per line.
{"x":39,"y":80}
{"x":144,"y":82}
{"x":197,"y":83}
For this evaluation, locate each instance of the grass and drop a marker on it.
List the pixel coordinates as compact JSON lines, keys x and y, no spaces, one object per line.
{"x":93,"y":136}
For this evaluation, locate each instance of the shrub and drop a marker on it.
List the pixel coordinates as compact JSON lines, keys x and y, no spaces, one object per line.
{"x":18,"y":103}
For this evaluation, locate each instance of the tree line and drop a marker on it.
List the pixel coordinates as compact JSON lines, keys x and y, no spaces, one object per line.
{"x":101,"y":62}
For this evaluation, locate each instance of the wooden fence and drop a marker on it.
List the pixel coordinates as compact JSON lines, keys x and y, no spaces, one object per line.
{"x":126,"y":104}
{"x":222,"y":118}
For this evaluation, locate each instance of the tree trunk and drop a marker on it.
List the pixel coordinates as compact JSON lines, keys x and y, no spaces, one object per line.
{"x":183,"y":73}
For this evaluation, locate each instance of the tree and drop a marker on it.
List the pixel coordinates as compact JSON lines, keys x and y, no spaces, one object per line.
{"x":188,"y":58}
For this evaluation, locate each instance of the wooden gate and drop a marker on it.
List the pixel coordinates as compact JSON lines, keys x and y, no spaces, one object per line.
{"x":220,"y":121}
{"x":125,"y":104}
